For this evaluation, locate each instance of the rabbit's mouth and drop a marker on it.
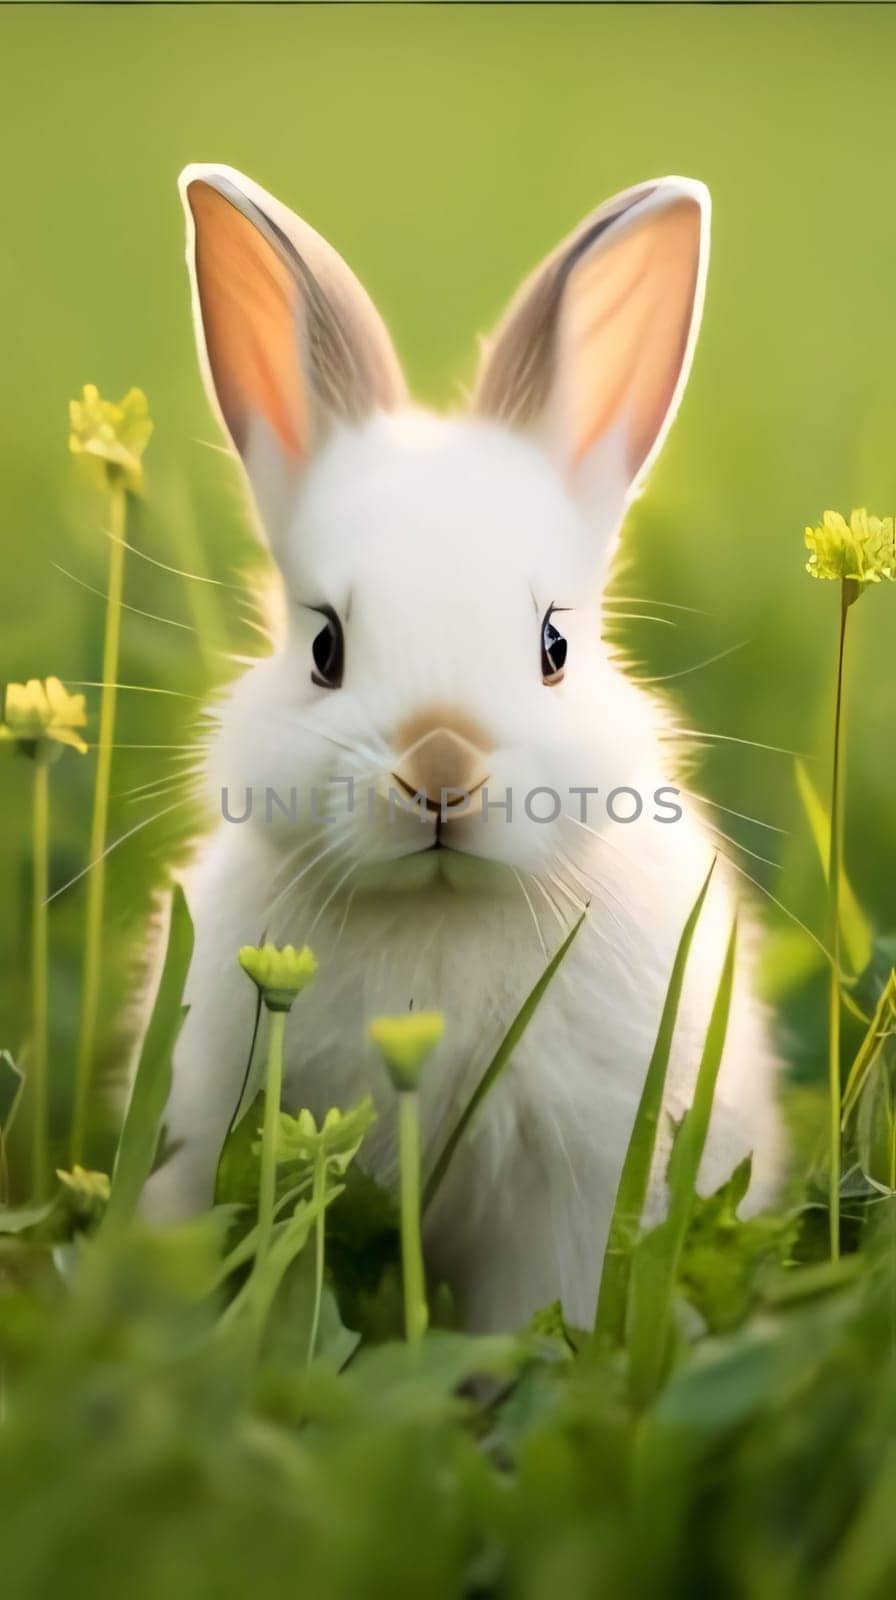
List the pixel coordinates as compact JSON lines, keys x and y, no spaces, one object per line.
{"x":437,"y":864}
{"x":438,"y":842}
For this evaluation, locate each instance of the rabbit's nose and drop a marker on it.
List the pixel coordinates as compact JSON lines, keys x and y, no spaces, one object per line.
{"x":443,"y":761}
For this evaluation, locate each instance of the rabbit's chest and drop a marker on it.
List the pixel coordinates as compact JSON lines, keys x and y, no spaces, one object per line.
{"x":576,"y":1073}
{"x":479,"y":971}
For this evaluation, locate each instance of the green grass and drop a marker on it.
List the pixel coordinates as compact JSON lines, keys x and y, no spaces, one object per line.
{"x":193,"y":1409}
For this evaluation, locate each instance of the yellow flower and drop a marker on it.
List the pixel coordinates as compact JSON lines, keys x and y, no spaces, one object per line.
{"x":861,"y":550}
{"x":112,"y":437}
{"x":404,"y":1043}
{"x":280,"y":974}
{"x":85,"y":1185}
{"x":38,"y":715}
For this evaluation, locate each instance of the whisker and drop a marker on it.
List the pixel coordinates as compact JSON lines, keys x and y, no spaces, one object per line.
{"x":637,"y":616}
{"x":552,"y":904}
{"x":578,"y":874}
{"x":308,"y":841}
{"x":235,"y":658}
{"x":178,"y":572}
{"x":536,"y":923}
{"x":114,"y":846}
{"x":603,"y":837}
{"x":708,"y":661}
{"x":370,"y":755}
{"x":253,"y":599}
{"x":137,"y":688}
{"x":332,"y":895}
{"x":187,"y":627}
{"x":744,"y":816}
{"x":300,"y":849}
{"x":341,"y":929}
{"x":664,"y":605}
{"x":598,"y":890}
{"x":601,"y":886}
{"x":219,"y":449}
{"x":730,"y":738}
{"x":578,"y":905}
{"x":260,"y":628}
{"x":790,"y":915}
{"x":738,"y":846}
{"x":189,"y":784}
{"x":293,"y":882}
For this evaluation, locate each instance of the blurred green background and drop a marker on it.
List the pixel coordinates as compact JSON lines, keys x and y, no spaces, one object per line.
{"x":443,"y":150}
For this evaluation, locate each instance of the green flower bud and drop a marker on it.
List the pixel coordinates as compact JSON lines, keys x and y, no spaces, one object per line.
{"x":337,"y":1140}
{"x":280,"y":973}
{"x":405,"y":1042}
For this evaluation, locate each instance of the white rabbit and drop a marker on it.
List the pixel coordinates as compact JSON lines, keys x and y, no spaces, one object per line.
{"x":430,"y":567}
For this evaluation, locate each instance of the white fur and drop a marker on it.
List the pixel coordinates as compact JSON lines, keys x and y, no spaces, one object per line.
{"x":441,"y":544}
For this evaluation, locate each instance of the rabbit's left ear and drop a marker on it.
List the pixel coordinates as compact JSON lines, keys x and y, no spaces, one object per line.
{"x":288,"y":340}
{"x":593,"y":354}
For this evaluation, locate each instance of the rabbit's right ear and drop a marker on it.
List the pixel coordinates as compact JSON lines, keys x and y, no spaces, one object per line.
{"x":289,"y":342}
{"x":593,"y":354}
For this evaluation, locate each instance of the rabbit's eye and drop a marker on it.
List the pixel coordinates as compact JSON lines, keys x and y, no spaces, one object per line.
{"x":553,"y":651}
{"x":328,"y":651}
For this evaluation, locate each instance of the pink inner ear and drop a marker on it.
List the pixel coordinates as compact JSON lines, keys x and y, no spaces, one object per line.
{"x":624,"y":332}
{"x":251,"y":317}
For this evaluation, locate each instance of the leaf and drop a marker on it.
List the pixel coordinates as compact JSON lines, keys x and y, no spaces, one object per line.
{"x":875,"y":1124}
{"x":497,"y":1064}
{"x":855,"y":930}
{"x":609,"y":1326}
{"x":549,"y":1323}
{"x":411,"y":1382}
{"x":725,"y":1258}
{"x":18,"y":1219}
{"x":140,"y":1133}
{"x":363,"y":1255}
{"x":721,"y":1388}
{"x":787,"y":960}
{"x":289,"y":1327}
{"x":792,"y":1285}
{"x":11,"y":1080}
{"x":253,"y":1080}
{"x":236,"y":1180}
{"x":656,"y":1257}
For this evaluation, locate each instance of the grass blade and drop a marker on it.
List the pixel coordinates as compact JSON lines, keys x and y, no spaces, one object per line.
{"x":855,"y":930}
{"x":143,"y":1119}
{"x":252,"y":1305}
{"x":609,"y":1325}
{"x":12,"y":1082}
{"x":881,"y":1028}
{"x":654,"y":1266}
{"x":497,"y":1064}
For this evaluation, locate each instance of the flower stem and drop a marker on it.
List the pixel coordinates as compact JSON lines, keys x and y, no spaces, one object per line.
{"x":40,"y":889}
{"x":272,"y":1090}
{"x":834,"y":856}
{"x":317,"y":1198}
{"x":93,"y":933}
{"x":416,"y":1314}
